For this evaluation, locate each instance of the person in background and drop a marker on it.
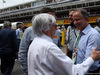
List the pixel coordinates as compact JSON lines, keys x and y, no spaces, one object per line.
{"x":86,"y":41}
{"x":26,"y":40}
{"x":24,"y":28}
{"x":1,"y":27}
{"x":56,"y":38}
{"x":19,"y":33}
{"x":8,"y":48}
{"x":71,"y":35}
{"x":98,"y":25}
{"x":46,"y":58}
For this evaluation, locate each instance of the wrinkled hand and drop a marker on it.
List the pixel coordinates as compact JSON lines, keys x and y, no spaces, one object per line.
{"x":95,"y":55}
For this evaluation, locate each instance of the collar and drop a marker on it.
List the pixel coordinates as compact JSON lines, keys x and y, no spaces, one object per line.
{"x":46,"y":38}
{"x":19,"y":29}
{"x":87,"y":29}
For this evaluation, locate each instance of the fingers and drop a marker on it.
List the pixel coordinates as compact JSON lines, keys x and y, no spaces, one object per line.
{"x":95,"y":48}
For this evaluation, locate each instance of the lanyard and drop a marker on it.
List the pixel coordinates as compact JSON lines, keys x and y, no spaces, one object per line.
{"x":75,"y":50}
{"x":77,"y":40}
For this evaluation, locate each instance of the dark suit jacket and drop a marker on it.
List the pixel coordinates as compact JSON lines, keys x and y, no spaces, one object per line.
{"x":8,"y":41}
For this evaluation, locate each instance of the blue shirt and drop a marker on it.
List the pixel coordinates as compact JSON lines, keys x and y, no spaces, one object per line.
{"x":56,"y":39}
{"x":90,"y":38}
{"x":26,"y":40}
{"x":19,"y":33}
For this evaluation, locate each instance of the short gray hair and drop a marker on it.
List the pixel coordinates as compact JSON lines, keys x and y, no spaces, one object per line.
{"x":83,"y":12}
{"x":42,"y":22}
{"x":7,"y":23}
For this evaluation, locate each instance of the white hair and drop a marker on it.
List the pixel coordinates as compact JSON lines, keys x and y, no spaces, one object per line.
{"x":42,"y":22}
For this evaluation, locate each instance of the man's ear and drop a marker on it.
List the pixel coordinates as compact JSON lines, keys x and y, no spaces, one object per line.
{"x":46,"y":32}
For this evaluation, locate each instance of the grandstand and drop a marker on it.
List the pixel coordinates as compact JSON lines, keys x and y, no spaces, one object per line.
{"x":25,"y":12}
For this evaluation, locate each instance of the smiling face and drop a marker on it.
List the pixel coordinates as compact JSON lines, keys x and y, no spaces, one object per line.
{"x":79,"y":21}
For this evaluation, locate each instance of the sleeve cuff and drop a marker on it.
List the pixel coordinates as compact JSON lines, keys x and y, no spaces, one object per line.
{"x":89,"y":61}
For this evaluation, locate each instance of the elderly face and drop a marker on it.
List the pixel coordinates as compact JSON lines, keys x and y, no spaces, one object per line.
{"x":79,"y":21}
{"x":52,"y":30}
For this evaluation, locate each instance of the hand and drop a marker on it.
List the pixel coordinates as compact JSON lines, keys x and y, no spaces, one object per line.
{"x":95,"y":55}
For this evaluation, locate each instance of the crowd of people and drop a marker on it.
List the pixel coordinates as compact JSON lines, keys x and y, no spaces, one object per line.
{"x":39,"y":49}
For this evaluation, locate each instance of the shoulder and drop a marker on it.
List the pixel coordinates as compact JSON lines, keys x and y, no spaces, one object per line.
{"x":17,"y":29}
{"x":13,"y":31}
{"x":7,"y":29}
{"x":44,"y":42}
{"x":97,"y":28}
{"x":28,"y":30}
{"x":94,"y":31}
{"x":57,"y":31}
{"x":93,"y":34}
{"x":69,"y":27}
{"x":90,"y":30}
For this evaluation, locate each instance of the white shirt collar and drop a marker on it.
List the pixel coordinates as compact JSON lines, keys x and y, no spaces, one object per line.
{"x":46,"y":38}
